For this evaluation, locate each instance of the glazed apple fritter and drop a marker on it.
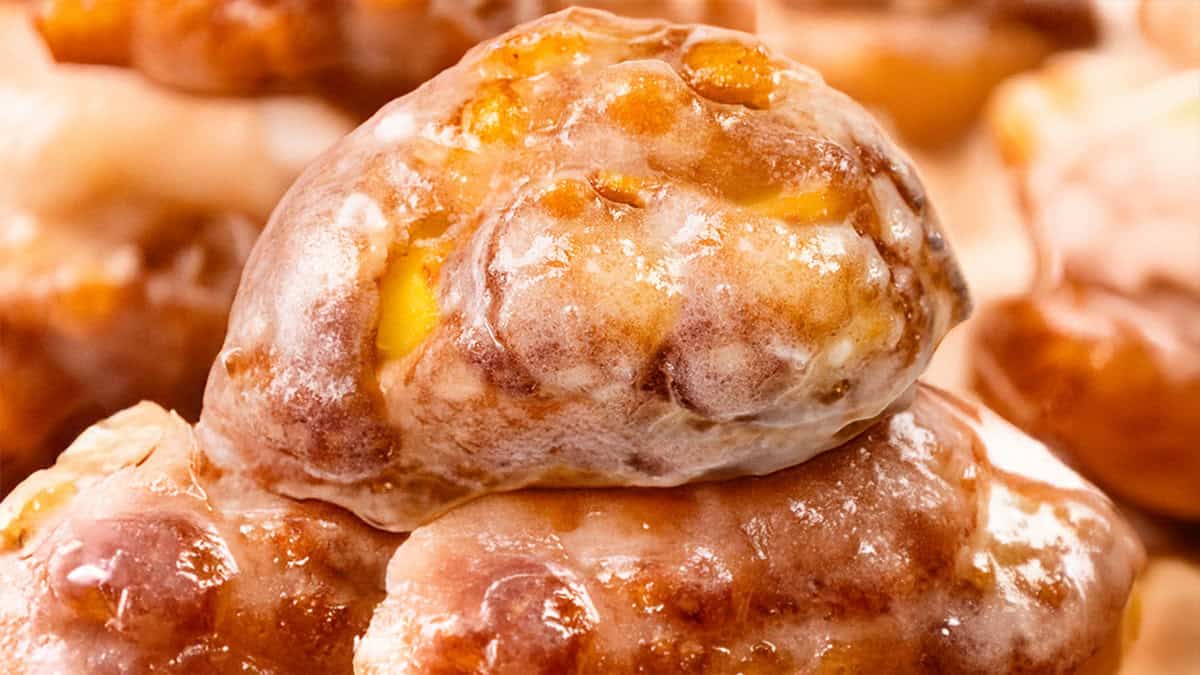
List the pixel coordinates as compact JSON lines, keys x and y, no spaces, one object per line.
{"x":598,"y":251}
{"x":1113,"y":379}
{"x":128,"y":210}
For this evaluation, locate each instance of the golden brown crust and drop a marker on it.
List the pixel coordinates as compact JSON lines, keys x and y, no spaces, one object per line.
{"x":913,"y":548}
{"x":596,"y":252}
{"x":121,"y":240}
{"x":361,"y":52}
{"x":1111,"y":379}
{"x":927,"y":66}
{"x":133,"y":554}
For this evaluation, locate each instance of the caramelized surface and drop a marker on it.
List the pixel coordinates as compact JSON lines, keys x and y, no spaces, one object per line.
{"x":126,"y":213}
{"x":941,"y":540}
{"x":133,"y":555}
{"x":361,"y":52}
{"x":928,"y":66}
{"x":656,"y":254}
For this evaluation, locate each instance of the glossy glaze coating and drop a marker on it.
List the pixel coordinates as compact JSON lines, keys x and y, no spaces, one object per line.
{"x":942,"y":540}
{"x":132,"y":554}
{"x":126,"y":213}
{"x":1103,"y":359}
{"x":361,"y":52}
{"x":927,"y":65}
{"x":596,"y":252}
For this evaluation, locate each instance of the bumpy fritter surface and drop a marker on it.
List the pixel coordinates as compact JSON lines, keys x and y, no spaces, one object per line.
{"x":928,"y":65}
{"x":126,"y":213}
{"x":1103,"y":359}
{"x":132,"y":554}
{"x":941,"y":540}
{"x":596,"y":252}
{"x":364,"y":52}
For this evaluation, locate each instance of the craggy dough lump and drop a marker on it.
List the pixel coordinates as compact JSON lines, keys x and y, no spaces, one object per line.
{"x":598,"y":251}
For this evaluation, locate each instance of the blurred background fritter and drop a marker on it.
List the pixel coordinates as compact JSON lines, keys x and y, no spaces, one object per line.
{"x":1102,"y":358}
{"x":361,"y":53}
{"x":126,"y":212}
{"x":1074,"y":212}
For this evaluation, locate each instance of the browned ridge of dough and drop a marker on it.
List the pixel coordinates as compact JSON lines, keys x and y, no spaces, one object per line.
{"x":598,"y":251}
{"x":941,"y":540}
{"x":134,"y":554}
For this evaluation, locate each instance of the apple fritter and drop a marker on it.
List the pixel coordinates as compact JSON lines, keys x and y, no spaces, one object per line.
{"x":598,"y":251}
{"x":1102,"y":359}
